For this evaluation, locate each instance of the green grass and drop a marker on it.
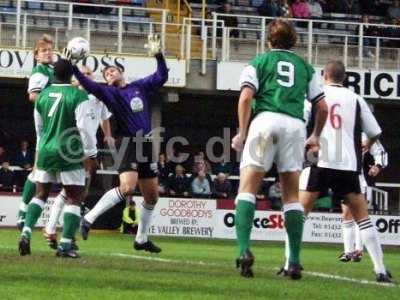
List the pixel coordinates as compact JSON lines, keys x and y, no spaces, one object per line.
{"x":200,"y":269}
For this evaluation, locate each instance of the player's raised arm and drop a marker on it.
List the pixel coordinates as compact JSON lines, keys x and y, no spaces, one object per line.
{"x":89,"y":85}
{"x":160,"y":77}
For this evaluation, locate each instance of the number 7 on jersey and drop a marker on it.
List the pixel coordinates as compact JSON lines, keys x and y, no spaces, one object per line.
{"x":58,"y":97}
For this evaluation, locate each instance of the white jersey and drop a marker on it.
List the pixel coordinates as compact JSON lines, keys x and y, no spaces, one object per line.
{"x":349,"y":115}
{"x":94,"y":112}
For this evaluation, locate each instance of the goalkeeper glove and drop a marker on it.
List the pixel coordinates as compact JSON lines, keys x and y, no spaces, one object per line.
{"x":153,"y":45}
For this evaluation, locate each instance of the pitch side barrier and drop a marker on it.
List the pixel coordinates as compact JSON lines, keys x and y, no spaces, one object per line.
{"x":211,"y":218}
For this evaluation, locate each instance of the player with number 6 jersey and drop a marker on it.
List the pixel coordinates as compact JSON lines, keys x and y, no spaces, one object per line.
{"x":278,"y":81}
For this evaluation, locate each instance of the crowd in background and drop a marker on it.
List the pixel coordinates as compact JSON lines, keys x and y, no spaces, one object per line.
{"x":194,"y":177}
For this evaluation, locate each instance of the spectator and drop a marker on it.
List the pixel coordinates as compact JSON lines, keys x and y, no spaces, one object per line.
{"x":350,"y":7}
{"x":394,"y":10}
{"x":262,"y":192}
{"x":229,"y":21}
{"x":130,"y":218}
{"x":285,"y":9}
{"x":222,"y":186}
{"x":269,"y":8}
{"x":178,"y":183}
{"x":224,"y":166}
{"x":201,"y":157}
{"x":163,"y":172}
{"x":201,"y":167}
{"x":315,"y":9}
{"x":200,"y":185}
{"x":7,"y":179}
{"x":328,"y":6}
{"x":275,"y":195}
{"x":3,"y":155}
{"x":24,"y":157}
{"x":393,"y":33}
{"x":369,"y":33}
{"x":301,"y":9}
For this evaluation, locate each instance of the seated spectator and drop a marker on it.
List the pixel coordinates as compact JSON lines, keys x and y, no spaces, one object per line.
{"x":7,"y":178}
{"x":200,"y":185}
{"x":370,"y":32}
{"x":223,"y":167}
{"x":285,"y":10}
{"x":229,"y":21}
{"x":394,"y":10}
{"x":200,"y":167}
{"x":178,"y":183}
{"x":328,"y":6}
{"x":24,"y":157}
{"x":222,"y":186}
{"x":3,"y":155}
{"x":262,"y":192}
{"x":269,"y":8}
{"x":130,"y":218}
{"x":301,"y":9}
{"x":275,"y":195}
{"x":201,"y":158}
{"x":392,"y":33}
{"x":351,"y":7}
{"x":163,"y":172}
{"x":315,"y":9}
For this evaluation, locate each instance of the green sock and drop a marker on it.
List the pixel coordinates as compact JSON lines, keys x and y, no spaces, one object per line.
{"x":72,"y":219}
{"x":28,"y":192}
{"x":294,"y":222}
{"x":35,"y":209}
{"x":244,"y":222}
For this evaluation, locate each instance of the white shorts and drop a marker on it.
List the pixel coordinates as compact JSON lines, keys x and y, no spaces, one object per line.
{"x":31,"y":176}
{"x":74,"y":177}
{"x":275,"y":138}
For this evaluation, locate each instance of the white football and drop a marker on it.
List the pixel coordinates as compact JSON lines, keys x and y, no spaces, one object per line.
{"x":79,"y":47}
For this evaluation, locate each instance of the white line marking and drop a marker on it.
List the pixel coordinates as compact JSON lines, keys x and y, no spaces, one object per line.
{"x":202,"y":263}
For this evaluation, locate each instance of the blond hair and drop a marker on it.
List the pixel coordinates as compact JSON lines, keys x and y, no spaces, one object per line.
{"x":44,"y":40}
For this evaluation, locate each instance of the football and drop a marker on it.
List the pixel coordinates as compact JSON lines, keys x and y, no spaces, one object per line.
{"x":79,"y":47}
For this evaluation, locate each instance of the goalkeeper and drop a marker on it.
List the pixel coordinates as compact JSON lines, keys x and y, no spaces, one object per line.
{"x":129,"y":103}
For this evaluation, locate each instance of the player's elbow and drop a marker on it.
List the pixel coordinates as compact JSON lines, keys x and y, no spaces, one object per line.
{"x":246,"y":95}
{"x":32,"y":97}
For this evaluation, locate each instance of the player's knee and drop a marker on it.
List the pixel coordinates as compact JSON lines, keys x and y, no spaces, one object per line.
{"x":126,"y":189}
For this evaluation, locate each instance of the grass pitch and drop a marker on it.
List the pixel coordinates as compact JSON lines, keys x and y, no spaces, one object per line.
{"x":186,"y":269}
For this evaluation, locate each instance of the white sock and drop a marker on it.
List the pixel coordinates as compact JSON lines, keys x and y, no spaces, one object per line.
{"x":287,"y":253}
{"x":109,"y":199}
{"x":358,"y":240}
{"x":146,"y":213}
{"x":55,"y":212}
{"x":370,"y":239}
{"x":348,"y":236}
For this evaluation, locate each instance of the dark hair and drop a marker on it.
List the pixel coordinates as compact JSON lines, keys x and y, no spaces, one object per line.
{"x":335,"y":71}
{"x":109,"y":67}
{"x":63,"y":71}
{"x":281,"y":34}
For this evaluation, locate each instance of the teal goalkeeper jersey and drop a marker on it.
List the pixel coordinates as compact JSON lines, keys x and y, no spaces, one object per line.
{"x":282,"y":80}
{"x":60,"y":144}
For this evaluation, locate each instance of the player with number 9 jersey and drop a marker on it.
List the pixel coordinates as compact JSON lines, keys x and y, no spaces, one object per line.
{"x":275,"y":85}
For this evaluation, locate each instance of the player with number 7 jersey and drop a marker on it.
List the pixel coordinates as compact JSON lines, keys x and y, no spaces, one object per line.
{"x":60,"y":145}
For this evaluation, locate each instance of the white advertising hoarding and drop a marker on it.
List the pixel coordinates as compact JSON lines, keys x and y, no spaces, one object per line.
{"x":200,"y":218}
{"x":19,"y":63}
{"x":367,"y":83}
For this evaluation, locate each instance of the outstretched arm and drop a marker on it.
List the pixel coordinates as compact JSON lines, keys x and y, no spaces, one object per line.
{"x":158,"y":78}
{"x":89,"y":85}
